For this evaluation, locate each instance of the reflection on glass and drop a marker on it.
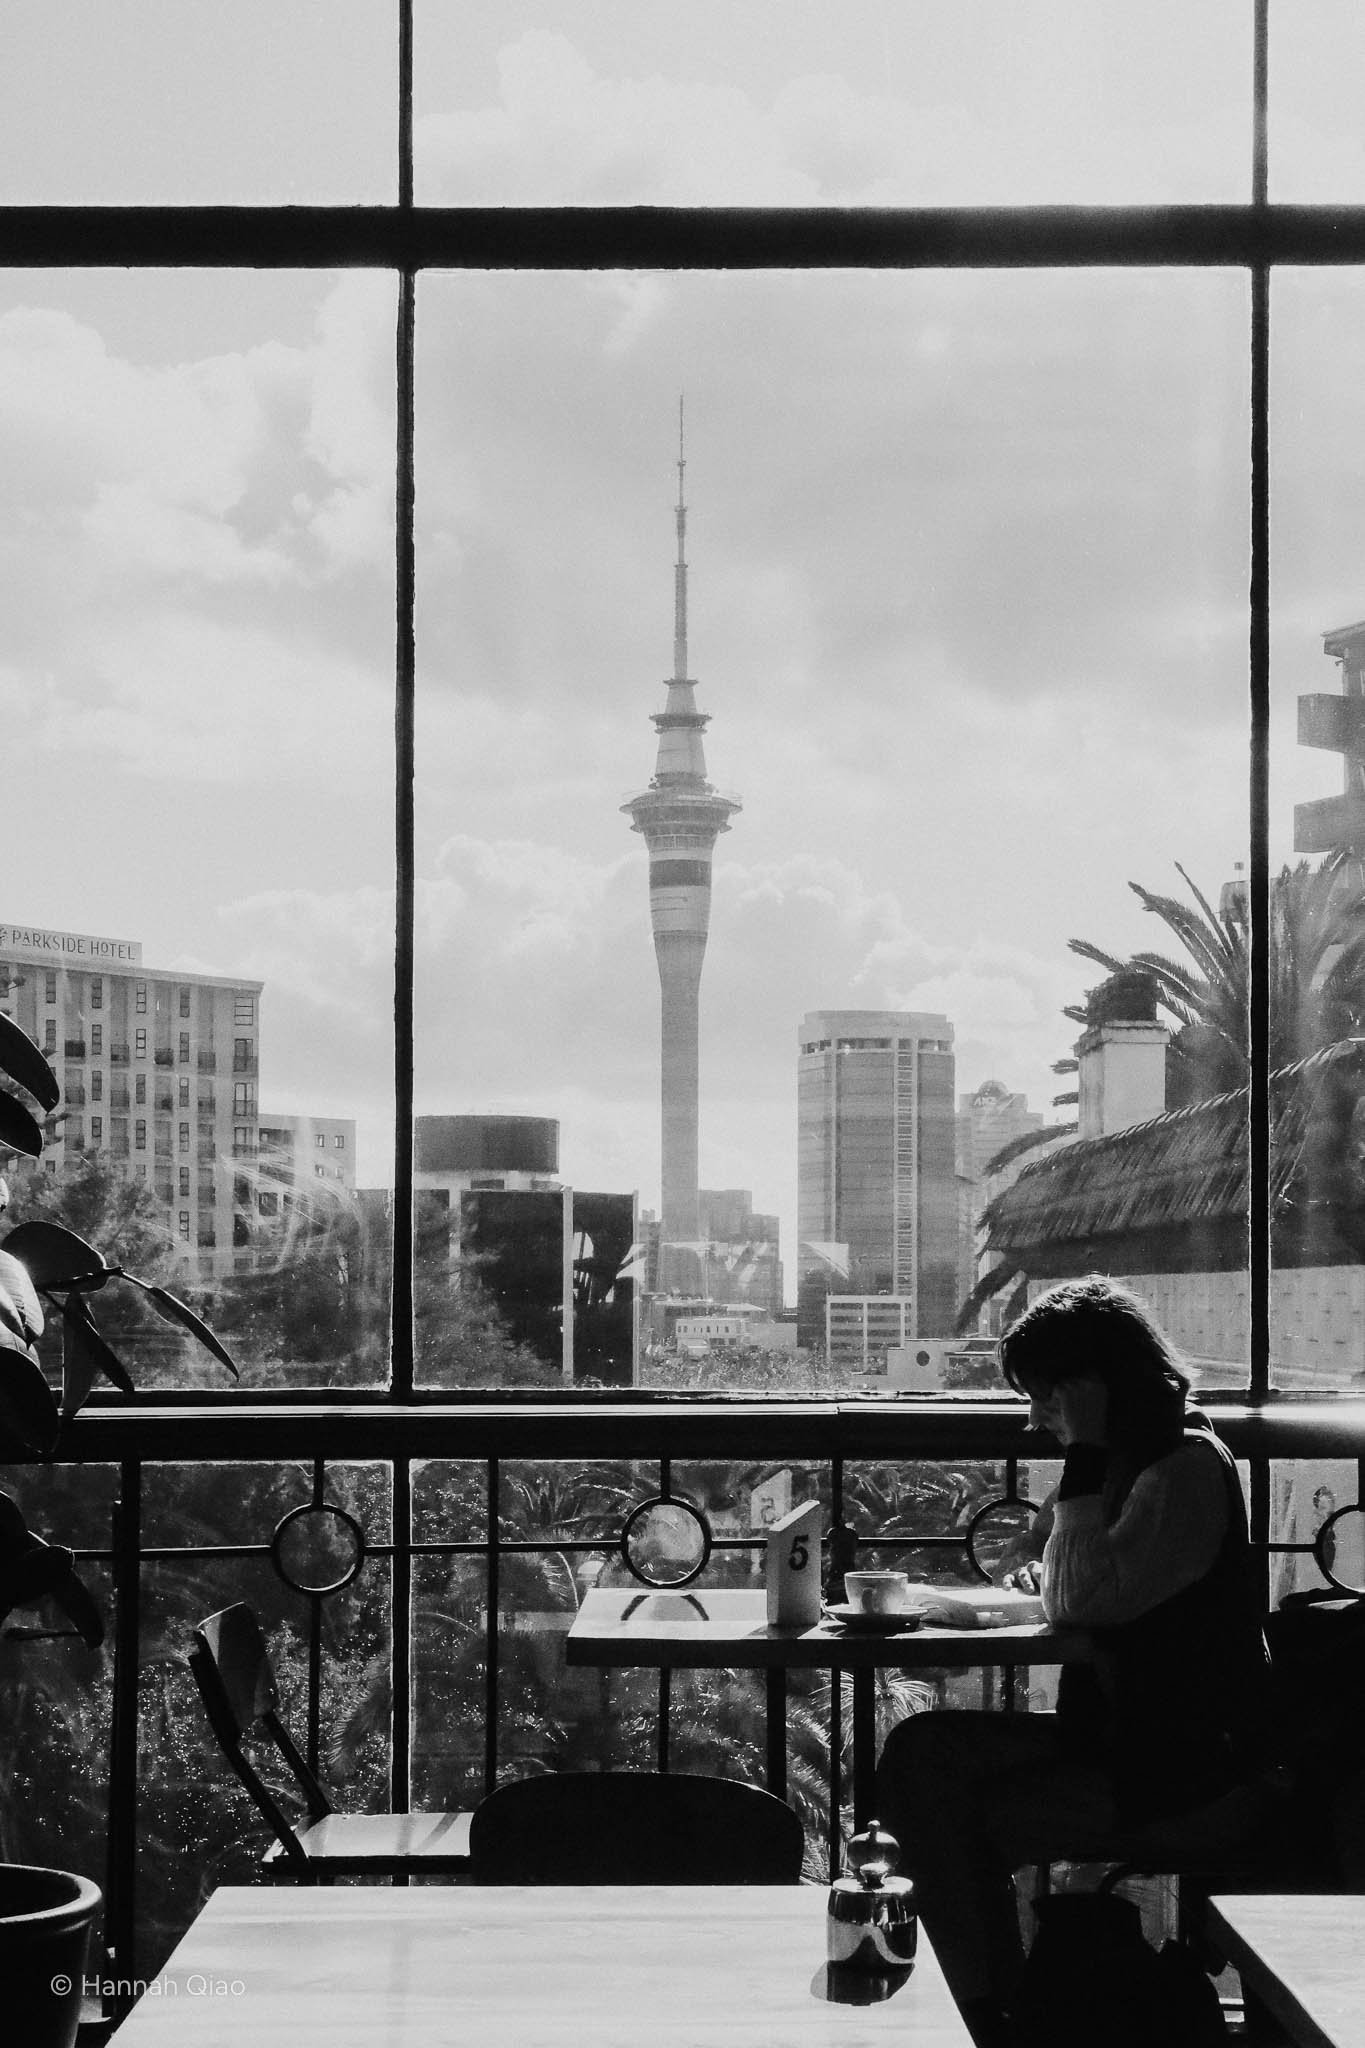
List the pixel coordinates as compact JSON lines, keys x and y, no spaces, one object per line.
{"x":806,"y":102}
{"x":999,"y":521}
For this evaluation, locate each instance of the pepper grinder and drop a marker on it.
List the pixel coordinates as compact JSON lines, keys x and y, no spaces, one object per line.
{"x":872,"y":1923}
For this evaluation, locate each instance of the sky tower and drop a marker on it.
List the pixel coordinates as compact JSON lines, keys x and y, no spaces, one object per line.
{"x":681,"y":816}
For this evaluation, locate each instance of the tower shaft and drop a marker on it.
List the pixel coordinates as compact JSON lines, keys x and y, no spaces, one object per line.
{"x":680,"y":815}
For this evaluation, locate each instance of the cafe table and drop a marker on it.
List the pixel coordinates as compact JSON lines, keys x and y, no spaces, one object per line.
{"x":526,"y":1966}
{"x":1300,"y":1957}
{"x":727,"y":1628}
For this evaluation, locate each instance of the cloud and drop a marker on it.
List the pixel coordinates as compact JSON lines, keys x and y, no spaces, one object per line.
{"x":973,"y":108}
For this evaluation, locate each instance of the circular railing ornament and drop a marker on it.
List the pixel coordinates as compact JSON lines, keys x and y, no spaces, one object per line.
{"x":665,"y":1542}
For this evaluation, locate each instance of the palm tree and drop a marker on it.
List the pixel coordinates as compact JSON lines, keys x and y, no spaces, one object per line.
{"x":1316,"y":952}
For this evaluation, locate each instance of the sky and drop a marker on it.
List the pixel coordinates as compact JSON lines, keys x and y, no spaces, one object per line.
{"x":967,"y":552}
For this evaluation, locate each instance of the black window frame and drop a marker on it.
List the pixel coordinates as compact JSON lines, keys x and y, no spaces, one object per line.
{"x":406,"y":240}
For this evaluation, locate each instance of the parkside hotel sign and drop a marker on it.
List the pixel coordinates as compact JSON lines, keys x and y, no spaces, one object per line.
{"x":68,"y":949}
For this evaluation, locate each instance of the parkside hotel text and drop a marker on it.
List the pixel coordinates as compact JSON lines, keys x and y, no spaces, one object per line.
{"x":74,"y":947}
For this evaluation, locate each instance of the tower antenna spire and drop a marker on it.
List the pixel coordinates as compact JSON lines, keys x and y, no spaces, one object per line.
{"x":680,"y":568}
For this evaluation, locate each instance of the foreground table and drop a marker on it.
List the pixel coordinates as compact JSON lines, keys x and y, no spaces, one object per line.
{"x":727,"y":1628}
{"x":685,"y":1966}
{"x":1300,"y":1957}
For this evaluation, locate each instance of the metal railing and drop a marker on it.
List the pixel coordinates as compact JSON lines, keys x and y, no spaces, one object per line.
{"x":661,"y":1444}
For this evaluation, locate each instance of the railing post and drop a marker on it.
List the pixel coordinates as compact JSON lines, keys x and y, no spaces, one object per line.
{"x":120,"y":1911}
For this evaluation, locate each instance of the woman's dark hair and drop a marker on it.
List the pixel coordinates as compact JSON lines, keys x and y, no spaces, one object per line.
{"x":1093,"y":1326}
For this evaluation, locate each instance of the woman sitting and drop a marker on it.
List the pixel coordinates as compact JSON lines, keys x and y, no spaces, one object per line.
{"x":1144,"y":1544}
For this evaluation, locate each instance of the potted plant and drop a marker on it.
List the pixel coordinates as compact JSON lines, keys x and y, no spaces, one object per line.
{"x":46,"y":1915}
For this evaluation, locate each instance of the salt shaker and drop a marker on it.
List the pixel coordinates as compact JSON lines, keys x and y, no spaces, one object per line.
{"x":872,"y":1922}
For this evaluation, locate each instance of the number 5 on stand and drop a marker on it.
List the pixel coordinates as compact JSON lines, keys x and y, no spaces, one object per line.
{"x":793,"y":1568}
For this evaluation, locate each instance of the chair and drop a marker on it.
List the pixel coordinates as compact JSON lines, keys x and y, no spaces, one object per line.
{"x":634,"y":1827}
{"x":232,"y":1670}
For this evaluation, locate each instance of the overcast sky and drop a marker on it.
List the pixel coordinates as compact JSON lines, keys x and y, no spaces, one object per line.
{"x":968,"y":552}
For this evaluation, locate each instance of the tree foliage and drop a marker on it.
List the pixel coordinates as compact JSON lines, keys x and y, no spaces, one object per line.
{"x":1316,"y":955}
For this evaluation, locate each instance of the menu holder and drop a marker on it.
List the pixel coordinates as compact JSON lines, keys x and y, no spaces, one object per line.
{"x":792,"y":1568}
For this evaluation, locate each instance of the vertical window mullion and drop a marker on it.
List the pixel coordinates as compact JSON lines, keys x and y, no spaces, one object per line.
{"x":401,"y":1367}
{"x":1258,"y":1022}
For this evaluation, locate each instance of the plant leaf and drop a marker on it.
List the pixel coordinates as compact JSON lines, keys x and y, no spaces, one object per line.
{"x":18,"y":1130}
{"x":175,"y":1311}
{"x":85,"y":1353}
{"x":28,"y":1413}
{"x":20,"y":1307}
{"x":23,"y":1062}
{"x":55,"y":1256}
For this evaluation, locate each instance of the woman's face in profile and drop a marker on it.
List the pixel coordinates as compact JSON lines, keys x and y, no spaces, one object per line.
{"x":1044,"y":1406}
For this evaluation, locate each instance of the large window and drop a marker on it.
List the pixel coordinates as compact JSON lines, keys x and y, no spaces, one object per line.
{"x":783,"y":808}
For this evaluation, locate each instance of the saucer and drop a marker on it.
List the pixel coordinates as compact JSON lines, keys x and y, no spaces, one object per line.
{"x":878,"y":1624}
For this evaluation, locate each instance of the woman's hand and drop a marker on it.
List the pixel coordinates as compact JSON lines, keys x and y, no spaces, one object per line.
{"x":1018,"y":1565}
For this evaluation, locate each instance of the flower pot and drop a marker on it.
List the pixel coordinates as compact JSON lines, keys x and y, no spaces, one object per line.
{"x":45,"y":1919}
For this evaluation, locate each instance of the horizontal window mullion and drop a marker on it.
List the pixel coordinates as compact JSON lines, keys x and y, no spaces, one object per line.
{"x":420,"y":238}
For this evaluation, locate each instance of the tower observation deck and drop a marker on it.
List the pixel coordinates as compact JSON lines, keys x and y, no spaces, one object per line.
{"x":681,"y":815}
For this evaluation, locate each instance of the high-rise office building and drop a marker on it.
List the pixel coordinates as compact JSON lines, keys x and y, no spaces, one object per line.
{"x":877,"y":1202}
{"x":988,"y":1118}
{"x":158,"y":1072}
{"x":681,"y":816}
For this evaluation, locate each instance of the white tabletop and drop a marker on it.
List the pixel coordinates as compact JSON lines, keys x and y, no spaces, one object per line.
{"x":728,"y":1626}
{"x":1302,"y":1956}
{"x":493,"y":1966}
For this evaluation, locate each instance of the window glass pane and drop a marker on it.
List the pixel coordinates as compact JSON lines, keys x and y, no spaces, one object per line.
{"x":199,"y":676}
{"x":1317,"y":52}
{"x":963,"y":553}
{"x":1317,"y":819}
{"x":809,"y":102}
{"x":252,"y":104}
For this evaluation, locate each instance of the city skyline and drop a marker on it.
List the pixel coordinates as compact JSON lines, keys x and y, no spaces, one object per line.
{"x":970,"y":581}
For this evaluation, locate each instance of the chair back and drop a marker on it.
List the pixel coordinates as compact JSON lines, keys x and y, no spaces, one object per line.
{"x":634,"y":1827}
{"x":243,"y":1687}
{"x":236,"y":1682}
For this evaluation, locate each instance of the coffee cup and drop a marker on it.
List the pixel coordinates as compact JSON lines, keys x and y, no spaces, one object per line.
{"x":877,"y":1592}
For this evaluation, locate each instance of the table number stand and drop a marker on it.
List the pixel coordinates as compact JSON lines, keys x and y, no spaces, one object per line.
{"x":792,"y":1568}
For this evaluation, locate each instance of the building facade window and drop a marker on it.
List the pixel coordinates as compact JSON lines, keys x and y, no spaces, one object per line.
{"x":183,"y":1224}
{"x":184,"y":1137}
{"x":97,"y":1086}
{"x":140,"y":1135}
{"x":140,"y":998}
{"x":243,"y":1098}
{"x":340,"y":1142}
{"x":96,"y":1130}
{"x":184,"y":1183}
{"x":97,"y":1040}
{"x":184,"y":1045}
{"x":184,"y":1002}
{"x":140,"y":1042}
{"x":50,"y":1035}
{"x":243,"y":1009}
{"x":97,"y":991}
{"x":183,"y":1093}
{"x":50,"y":986}
{"x":140,"y":1088}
